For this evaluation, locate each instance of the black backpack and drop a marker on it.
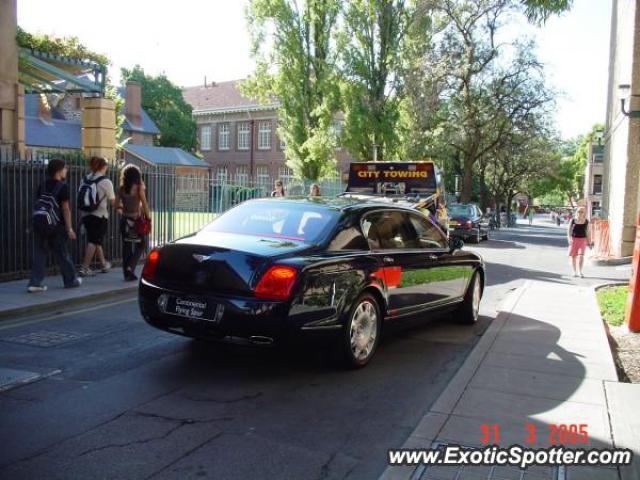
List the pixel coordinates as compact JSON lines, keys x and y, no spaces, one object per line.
{"x":46,"y":211}
{"x":88,"y":200}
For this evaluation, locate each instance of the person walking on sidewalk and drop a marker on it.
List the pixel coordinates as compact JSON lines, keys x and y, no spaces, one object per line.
{"x":579,"y":237}
{"x":52,"y":228}
{"x":132,"y":205}
{"x":95,"y":193}
{"x":530,"y":213}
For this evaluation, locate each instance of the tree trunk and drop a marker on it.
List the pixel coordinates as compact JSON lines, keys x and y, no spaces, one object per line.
{"x":467,"y":181}
{"x":509,"y":199}
{"x":484,"y":201}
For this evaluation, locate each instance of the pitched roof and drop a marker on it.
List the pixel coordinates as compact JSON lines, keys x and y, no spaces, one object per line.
{"x":164,"y":155}
{"x":221,"y":96}
{"x":146,"y":124}
{"x":57,"y":134}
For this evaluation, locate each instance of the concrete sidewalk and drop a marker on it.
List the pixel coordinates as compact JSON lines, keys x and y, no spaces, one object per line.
{"x":545,"y":360}
{"x":14,"y":299}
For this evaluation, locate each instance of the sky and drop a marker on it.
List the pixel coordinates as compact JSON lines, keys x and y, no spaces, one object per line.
{"x":208,"y":38}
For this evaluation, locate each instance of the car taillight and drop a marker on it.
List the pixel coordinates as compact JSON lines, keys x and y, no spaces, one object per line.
{"x":468,"y":223}
{"x":276,"y":283}
{"x":150,"y":265}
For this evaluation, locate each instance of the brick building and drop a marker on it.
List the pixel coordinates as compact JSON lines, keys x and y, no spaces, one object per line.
{"x":237,"y":135}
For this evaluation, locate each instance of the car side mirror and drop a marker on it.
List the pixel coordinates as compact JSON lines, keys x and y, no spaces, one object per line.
{"x":455,"y":243}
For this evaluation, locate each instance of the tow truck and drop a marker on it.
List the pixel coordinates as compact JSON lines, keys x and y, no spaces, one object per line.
{"x":418,"y":184}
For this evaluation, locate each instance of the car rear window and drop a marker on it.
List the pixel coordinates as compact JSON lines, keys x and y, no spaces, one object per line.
{"x":461,"y":210}
{"x":289,"y":220}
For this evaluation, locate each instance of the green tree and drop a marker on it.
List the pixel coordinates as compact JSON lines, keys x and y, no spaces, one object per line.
{"x":566,"y":179}
{"x":294,"y":46}
{"x":380,"y":40}
{"x":466,"y":78}
{"x":164,"y":103}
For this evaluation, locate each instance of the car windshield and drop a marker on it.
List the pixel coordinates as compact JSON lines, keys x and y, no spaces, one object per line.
{"x":461,"y":211}
{"x":294,"y":221}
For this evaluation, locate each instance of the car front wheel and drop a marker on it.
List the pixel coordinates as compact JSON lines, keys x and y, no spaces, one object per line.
{"x":362,"y":331}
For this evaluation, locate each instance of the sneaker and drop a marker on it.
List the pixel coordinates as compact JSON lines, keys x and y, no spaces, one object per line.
{"x":75,"y":284}
{"x":106,"y":267}
{"x":575,"y":274}
{"x":581,"y":275}
{"x":86,"y":272}
{"x":36,"y":288}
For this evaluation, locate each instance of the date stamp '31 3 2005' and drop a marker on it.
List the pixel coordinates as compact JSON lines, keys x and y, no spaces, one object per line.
{"x":553,"y":434}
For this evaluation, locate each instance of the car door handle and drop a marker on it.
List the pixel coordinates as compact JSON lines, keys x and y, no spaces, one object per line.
{"x":431,"y":256}
{"x":388,"y":259}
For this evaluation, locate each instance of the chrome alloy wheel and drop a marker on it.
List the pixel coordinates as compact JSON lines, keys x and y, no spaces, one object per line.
{"x":364,"y":330}
{"x":475,"y":297}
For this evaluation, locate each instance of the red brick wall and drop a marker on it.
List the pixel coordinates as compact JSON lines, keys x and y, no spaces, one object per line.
{"x":273,"y":158}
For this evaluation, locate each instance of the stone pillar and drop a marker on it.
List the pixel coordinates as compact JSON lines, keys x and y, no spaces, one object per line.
{"x":11,"y":118}
{"x":99,"y":127}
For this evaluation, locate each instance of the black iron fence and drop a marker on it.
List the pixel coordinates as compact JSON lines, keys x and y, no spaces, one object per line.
{"x":180,"y":204}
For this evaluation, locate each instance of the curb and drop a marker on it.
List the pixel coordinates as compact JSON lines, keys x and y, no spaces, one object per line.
{"x":19,"y":311}
{"x":433,"y":421}
{"x":610,"y":262}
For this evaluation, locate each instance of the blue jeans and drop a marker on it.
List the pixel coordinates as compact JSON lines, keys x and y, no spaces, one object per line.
{"x":57,"y":243}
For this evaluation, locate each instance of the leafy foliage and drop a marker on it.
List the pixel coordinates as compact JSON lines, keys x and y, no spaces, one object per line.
{"x":566,"y":178}
{"x":164,"y":103}
{"x":295,"y":51}
{"x":380,"y":40}
{"x":64,"y":46}
{"x":539,"y":11}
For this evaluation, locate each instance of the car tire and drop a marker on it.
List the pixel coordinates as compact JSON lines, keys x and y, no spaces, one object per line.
{"x":467,"y":312}
{"x":361,"y":333}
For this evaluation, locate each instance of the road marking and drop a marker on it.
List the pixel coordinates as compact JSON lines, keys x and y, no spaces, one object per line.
{"x":23,"y":323}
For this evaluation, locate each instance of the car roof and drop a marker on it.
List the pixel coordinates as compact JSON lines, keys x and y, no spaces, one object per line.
{"x":345,"y":203}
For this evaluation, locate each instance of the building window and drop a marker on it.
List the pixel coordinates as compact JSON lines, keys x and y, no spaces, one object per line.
{"x":222,"y":175}
{"x":242,"y":175}
{"x":264,"y":135}
{"x":598,"y":158}
{"x":205,"y":137}
{"x":244,"y":136}
{"x":597,"y":184}
{"x":285,"y":174}
{"x":262,"y":174}
{"x":223,"y":136}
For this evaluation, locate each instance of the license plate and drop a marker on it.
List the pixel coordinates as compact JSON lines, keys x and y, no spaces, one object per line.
{"x":194,"y":308}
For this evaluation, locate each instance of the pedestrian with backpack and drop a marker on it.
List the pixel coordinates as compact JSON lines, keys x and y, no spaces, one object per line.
{"x":94,"y":196}
{"x":52,"y":228}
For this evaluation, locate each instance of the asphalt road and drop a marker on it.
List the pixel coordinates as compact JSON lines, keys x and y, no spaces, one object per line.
{"x":123,"y":400}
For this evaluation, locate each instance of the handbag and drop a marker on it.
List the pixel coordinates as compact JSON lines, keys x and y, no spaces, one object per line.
{"x":143,"y":225}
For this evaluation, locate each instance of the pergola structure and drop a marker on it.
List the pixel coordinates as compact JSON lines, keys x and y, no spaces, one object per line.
{"x":41,"y":72}
{"x":24,"y":70}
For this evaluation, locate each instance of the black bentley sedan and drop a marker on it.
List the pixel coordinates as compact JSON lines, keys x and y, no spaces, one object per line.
{"x":467,"y":222}
{"x":273,"y":269}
